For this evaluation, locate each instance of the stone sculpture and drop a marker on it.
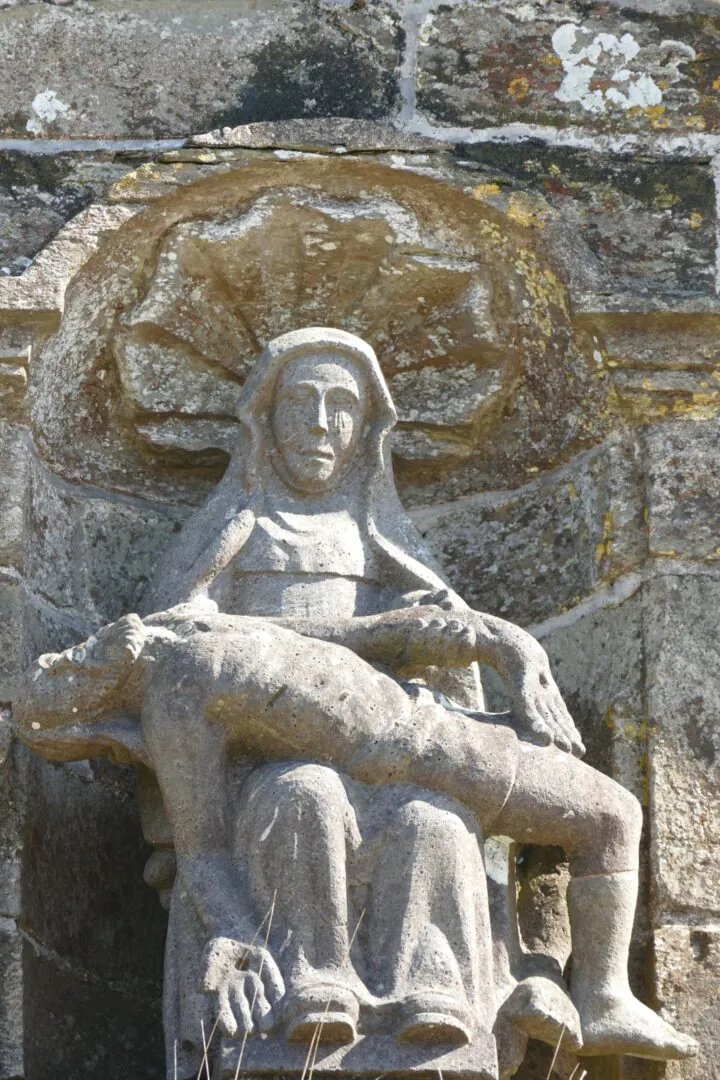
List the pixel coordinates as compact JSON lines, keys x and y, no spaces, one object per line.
{"x":306,"y":692}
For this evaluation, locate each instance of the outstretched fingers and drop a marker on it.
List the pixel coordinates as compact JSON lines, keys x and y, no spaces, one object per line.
{"x":272,"y":980}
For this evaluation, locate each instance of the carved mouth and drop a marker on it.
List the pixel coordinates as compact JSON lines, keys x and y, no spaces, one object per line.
{"x":318,"y":455}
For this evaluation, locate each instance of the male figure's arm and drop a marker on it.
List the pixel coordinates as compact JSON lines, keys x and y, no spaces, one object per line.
{"x":428,"y":635}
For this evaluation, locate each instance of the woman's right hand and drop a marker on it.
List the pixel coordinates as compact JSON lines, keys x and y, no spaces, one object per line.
{"x":245,"y":982}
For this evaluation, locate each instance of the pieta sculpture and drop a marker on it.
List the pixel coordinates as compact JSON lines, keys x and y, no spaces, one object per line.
{"x":305,"y":691}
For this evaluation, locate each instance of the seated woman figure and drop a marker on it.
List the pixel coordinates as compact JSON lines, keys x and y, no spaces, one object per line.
{"x":311,"y":772}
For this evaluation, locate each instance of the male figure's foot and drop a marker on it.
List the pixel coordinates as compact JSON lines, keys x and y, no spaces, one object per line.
{"x":324,"y":1013}
{"x":434,"y":1018}
{"x":541,"y":1009}
{"x":626,"y":1026}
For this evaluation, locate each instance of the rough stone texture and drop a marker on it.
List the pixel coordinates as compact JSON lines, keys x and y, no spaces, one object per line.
{"x":11,"y":633}
{"x":11,"y":1001}
{"x":627,"y":222}
{"x":618,"y":202}
{"x":687,"y":971}
{"x":13,"y":478}
{"x":190,"y":67}
{"x":40,"y":193}
{"x":337,"y":133}
{"x":684,"y":749}
{"x":84,"y":944}
{"x":316,"y":414}
{"x":564,"y":62}
{"x":683,"y":489}
{"x":536,"y":551}
{"x":412,"y":263}
{"x":93,"y":556}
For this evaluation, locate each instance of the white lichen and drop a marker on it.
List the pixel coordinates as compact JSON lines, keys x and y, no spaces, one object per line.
{"x":47,"y":107}
{"x":628,"y":88}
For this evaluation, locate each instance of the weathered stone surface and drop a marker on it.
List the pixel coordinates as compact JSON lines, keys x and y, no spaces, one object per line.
{"x":213,"y":64}
{"x":13,"y":792}
{"x":11,"y":618}
{"x":96,"y":1026}
{"x":614,"y":222}
{"x":683,"y":488}
{"x":686,"y":978}
{"x":92,"y":555}
{"x":567,"y":63}
{"x":39,"y":295}
{"x":309,"y":500}
{"x":597,"y":660}
{"x":39,"y":193}
{"x":335,"y":132}
{"x":11,"y":1000}
{"x":531,"y":553}
{"x":13,"y":479}
{"x":682,"y":662}
{"x":90,"y":976}
{"x":156,"y":421}
{"x":439,"y":281}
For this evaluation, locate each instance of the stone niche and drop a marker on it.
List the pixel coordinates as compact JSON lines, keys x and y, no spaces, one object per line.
{"x":132,"y":405}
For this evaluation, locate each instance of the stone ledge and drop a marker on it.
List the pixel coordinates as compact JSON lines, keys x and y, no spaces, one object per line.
{"x":369,"y":1056}
{"x":333,"y":134}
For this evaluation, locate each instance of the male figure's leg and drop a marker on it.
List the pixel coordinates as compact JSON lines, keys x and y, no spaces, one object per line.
{"x":557,"y":799}
{"x":277,"y":694}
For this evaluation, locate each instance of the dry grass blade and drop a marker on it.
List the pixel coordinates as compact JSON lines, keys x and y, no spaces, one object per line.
{"x":269,"y":918}
{"x":315,"y":1041}
{"x":205,"y":1063}
{"x":557,"y":1051}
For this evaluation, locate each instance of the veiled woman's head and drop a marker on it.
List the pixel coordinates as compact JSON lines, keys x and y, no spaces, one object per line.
{"x":318,"y":417}
{"x":316,"y":396}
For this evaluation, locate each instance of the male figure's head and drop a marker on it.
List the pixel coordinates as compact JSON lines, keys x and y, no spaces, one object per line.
{"x":82,"y":683}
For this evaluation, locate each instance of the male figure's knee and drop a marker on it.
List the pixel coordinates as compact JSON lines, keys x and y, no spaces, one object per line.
{"x":620,"y":818}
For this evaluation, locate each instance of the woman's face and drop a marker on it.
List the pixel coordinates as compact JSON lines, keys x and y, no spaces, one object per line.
{"x":317,"y":421}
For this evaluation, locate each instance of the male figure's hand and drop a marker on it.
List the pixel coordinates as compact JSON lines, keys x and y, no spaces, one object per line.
{"x":426,"y":635}
{"x":245,"y":982}
{"x":535,"y":697}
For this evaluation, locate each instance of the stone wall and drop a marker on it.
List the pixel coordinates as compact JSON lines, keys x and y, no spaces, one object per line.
{"x":557,"y":382}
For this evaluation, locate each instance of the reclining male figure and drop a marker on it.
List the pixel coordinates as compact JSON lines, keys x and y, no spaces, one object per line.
{"x":306,"y":674}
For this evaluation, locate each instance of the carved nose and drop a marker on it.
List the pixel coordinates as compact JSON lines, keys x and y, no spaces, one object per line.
{"x":320,"y":421}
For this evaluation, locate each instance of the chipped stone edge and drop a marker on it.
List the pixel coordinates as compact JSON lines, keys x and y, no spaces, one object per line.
{"x":41,"y":289}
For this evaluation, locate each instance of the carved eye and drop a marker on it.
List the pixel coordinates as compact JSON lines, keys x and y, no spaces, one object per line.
{"x":296,"y":395}
{"x":342,"y":400}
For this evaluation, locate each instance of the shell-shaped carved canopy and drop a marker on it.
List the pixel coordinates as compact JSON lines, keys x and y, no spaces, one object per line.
{"x":470,"y":324}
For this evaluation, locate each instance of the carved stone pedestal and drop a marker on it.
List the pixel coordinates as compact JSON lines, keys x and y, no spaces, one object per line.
{"x":369,"y":1056}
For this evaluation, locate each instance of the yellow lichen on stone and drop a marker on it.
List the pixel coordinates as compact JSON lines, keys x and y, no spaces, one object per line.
{"x":695,"y":219}
{"x":656,"y":116}
{"x":518,"y":87}
{"x":526,"y":212}
{"x":603,"y":549}
{"x":485,"y":191}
